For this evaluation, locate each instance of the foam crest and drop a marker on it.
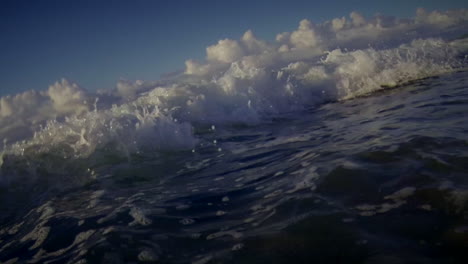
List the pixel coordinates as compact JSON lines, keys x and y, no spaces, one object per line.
{"x":59,"y":146}
{"x":364,"y":71}
{"x":131,"y":126}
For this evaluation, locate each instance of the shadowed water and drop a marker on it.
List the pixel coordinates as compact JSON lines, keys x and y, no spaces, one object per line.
{"x":376,"y":179}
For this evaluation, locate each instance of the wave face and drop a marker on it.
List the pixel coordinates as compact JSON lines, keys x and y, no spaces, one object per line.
{"x":345,"y":121}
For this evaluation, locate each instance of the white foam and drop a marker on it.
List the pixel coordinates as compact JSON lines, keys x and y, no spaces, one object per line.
{"x":139,"y":217}
{"x":401,"y":194}
{"x":39,"y":235}
{"x":397,"y":200}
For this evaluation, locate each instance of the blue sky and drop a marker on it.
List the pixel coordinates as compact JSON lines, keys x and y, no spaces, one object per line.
{"x":96,"y":43}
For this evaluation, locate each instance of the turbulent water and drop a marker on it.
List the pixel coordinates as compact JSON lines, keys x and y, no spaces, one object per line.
{"x":343,"y":156}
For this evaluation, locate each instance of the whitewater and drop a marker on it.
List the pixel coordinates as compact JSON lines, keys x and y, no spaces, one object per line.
{"x":339,"y":142}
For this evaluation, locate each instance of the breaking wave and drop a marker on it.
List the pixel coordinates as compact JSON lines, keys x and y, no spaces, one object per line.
{"x":249,"y":81}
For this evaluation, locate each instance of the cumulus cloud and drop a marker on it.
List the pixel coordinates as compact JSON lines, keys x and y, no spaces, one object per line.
{"x":67,"y":97}
{"x":357,"y":19}
{"x":441,"y":19}
{"x":21,"y":114}
{"x":127,"y":89}
{"x":252,"y":44}
{"x":310,"y":40}
{"x":21,"y":104}
{"x":304,"y":36}
{"x":338,"y":23}
{"x":226,"y":50}
{"x":193,"y":67}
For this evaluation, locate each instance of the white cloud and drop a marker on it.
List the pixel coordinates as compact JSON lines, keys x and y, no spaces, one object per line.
{"x":23,"y":103}
{"x":127,"y":89}
{"x":26,"y":111}
{"x":309,"y":40}
{"x":226,"y":50}
{"x":441,"y":19}
{"x":283,"y":37}
{"x":252,"y":44}
{"x":195,"y":68}
{"x":357,"y":19}
{"x":68,"y":97}
{"x":338,"y":23}
{"x":304,"y":36}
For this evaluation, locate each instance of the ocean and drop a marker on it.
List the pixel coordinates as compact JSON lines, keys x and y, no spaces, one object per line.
{"x":356,"y":156}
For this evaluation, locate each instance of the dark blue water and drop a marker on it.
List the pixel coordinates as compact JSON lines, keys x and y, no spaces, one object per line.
{"x":376,"y":179}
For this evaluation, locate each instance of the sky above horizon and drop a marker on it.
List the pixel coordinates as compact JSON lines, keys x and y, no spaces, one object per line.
{"x":96,"y":43}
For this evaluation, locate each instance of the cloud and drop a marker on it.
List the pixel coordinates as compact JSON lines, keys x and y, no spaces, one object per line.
{"x":357,"y":19}
{"x":226,"y":50}
{"x":21,"y":104}
{"x":23,"y":113}
{"x":68,"y":97}
{"x":252,"y":44}
{"x":338,"y":23}
{"x":310,"y":40}
{"x":441,"y":19}
{"x":304,"y":36}
{"x":193,"y":67}
{"x":127,"y":89}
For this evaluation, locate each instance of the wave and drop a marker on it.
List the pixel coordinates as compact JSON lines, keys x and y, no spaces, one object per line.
{"x":49,"y":130}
